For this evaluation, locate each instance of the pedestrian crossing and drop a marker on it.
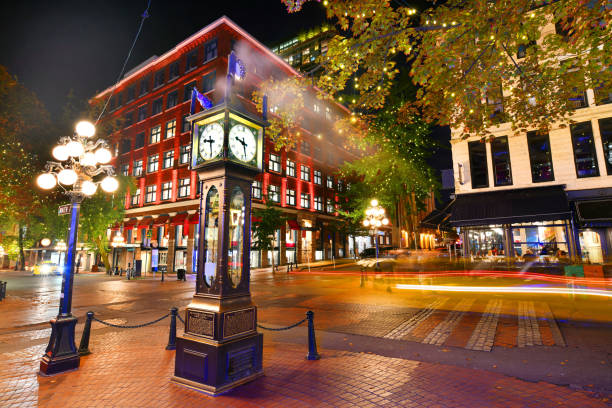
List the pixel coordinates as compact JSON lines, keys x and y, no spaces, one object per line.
{"x":498,"y":323}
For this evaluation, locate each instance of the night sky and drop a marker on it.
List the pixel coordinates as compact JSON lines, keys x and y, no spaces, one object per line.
{"x":58,"y":45}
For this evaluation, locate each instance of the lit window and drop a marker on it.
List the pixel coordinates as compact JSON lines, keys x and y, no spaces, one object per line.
{"x":256,"y":191}
{"x":330,"y":205}
{"x":584,"y":150}
{"x":290,"y":168}
{"x":318,"y":177}
{"x":153,"y":163}
{"x":184,"y":157}
{"x":305,"y":172}
{"x":184,"y":187}
{"x":274,"y":193}
{"x":330,"y":182}
{"x":305,"y":200}
{"x":125,"y":169}
{"x":318,"y":203}
{"x":135,"y":199}
{"x":540,"y":157}
{"x":274,"y":163}
{"x":166,"y":190}
{"x":501,"y":161}
{"x":168,"y":159}
{"x":151,"y":194}
{"x":186,"y":126}
{"x":290,"y":197}
{"x":170,"y":129}
{"x":605,"y":129}
{"x":316,"y":108}
{"x":155,"y":134}
{"x":137,"y":169}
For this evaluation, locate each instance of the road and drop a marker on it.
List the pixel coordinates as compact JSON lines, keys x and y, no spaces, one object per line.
{"x":558,"y":339}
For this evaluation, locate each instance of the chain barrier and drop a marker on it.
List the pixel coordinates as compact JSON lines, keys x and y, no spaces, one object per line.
{"x":136,"y":326}
{"x":282,"y":328}
{"x":181,"y":319}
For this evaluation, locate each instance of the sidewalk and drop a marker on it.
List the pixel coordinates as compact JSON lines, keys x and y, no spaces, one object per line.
{"x":130,"y":368}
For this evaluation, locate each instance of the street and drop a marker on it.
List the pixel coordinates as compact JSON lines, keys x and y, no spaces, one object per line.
{"x":544,"y":339}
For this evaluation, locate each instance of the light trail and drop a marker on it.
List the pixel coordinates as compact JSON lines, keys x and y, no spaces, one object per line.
{"x":502,"y":289}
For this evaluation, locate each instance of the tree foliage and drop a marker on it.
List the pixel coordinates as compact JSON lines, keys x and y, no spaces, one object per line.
{"x":267,"y":221}
{"x":463,"y":52}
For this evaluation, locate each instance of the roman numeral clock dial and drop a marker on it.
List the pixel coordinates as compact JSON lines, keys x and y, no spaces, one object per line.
{"x":242,"y":143}
{"x":211,"y":141}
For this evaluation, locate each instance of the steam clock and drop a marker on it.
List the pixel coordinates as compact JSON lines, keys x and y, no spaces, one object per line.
{"x":221,"y":347}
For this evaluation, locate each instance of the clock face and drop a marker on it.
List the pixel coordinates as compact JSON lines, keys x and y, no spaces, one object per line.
{"x":242,"y":143}
{"x":211,"y":141}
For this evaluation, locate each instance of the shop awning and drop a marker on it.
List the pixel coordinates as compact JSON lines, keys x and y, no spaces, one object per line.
{"x":179,"y":219}
{"x":145,"y":222}
{"x":293,"y":224}
{"x":595,"y":213}
{"x":129,"y":224}
{"x":161,"y":220}
{"x":510,"y":206}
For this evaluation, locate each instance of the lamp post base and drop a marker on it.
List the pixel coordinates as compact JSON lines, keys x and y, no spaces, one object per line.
{"x":61,"y":354}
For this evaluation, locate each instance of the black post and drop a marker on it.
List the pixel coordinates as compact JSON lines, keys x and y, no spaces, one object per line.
{"x":172,"y":336}
{"x":312,"y":341}
{"x":84,"y":346}
{"x":2,"y":290}
{"x":162,"y":271}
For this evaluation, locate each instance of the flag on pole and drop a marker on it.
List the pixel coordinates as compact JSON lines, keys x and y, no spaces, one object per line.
{"x":235,"y":67}
{"x":205,"y":103}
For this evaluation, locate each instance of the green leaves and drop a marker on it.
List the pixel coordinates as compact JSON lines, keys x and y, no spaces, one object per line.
{"x":267,"y":221}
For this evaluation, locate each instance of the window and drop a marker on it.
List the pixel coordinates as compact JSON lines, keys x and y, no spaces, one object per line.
{"x":184,"y":154}
{"x":208,"y":82}
{"x":317,"y":153}
{"x":318,"y":177}
{"x":522,"y":49}
{"x":173,"y":72}
{"x":125,"y":169}
{"x":256,"y":190}
{"x":158,"y":106}
{"x":305,"y":172}
{"x":151,"y":194}
{"x":187,"y":90}
{"x":501,"y":161}
{"x":318,"y":203}
{"x":137,"y":169}
{"x":159,"y":79}
{"x":186,"y":125}
{"x":142,"y":113}
{"x":305,"y":147}
{"x":155,"y":132}
{"x":274,"y":193}
{"x":153,"y":163}
{"x":495,"y":100}
{"x":290,"y":168}
{"x":540,"y":157}
{"x":131,"y":91}
{"x":168,"y":159}
{"x":478,"y":164}
{"x":119,"y":99}
{"x":328,"y":113}
{"x":330,"y":182}
{"x":274,"y":163}
{"x":135,"y":199}
{"x":166,"y":190}
{"x":172,"y":99}
{"x":605,"y":129}
{"x":192,"y":60}
{"x":305,"y":200}
{"x":210,"y":50}
{"x":170,"y":129}
{"x":144,"y":85}
{"x":184,"y":187}
{"x":290,"y":197}
{"x":329,"y":204}
{"x":603,"y":94}
{"x":584,"y":150}
{"x":139,"y":141}
{"x":316,"y":108}
{"x":125,"y":146}
{"x":128,"y":119}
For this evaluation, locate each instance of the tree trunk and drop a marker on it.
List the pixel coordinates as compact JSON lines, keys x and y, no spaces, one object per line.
{"x":21,"y":252}
{"x":103,"y":254}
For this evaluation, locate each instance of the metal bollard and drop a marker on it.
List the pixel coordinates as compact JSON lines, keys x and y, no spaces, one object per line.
{"x":172,"y":336}
{"x":2,"y":290}
{"x":312,"y":341}
{"x":84,"y":346}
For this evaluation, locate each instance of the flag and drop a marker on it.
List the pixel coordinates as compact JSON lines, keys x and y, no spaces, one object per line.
{"x":235,"y":67}
{"x":205,"y":103}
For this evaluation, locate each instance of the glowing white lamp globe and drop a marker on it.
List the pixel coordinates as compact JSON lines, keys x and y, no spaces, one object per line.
{"x":366,"y":223}
{"x":46,"y":181}
{"x":85,"y":128}
{"x":103,"y":155}
{"x":45,"y":242}
{"x":60,"y":152}
{"x":109,"y":184}
{"x":385,"y":221}
{"x":374,"y":202}
{"x":89,"y":188}
{"x":67,"y":177}
{"x":89,"y":159}
{"x":378,"y":223}
{"x":75,"y":149}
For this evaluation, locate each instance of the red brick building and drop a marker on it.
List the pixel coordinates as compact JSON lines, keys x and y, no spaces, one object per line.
{"x":153,"y":145}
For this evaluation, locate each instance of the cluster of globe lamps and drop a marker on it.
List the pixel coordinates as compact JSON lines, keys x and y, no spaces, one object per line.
{"x":375,"y":216}
{"x":79,"y":153}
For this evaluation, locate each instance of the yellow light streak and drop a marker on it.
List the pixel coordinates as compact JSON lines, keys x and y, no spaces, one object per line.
{"x":501,"y":289}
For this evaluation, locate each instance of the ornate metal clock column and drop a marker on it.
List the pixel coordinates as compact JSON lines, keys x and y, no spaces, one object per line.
{"x":221,"y":347}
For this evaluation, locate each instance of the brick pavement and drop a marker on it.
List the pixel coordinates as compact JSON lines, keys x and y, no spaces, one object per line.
{"x":130,"y":368}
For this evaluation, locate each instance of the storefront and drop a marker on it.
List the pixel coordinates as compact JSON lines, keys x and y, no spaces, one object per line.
{"x":594,"y":215}
{"x":532,"y":224}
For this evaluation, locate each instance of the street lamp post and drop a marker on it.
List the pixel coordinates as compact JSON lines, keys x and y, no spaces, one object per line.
{"x":80,"y":161}
{"x":375,"y":218}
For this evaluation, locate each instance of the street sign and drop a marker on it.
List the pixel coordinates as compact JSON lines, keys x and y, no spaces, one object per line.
{"x":63,"y":209}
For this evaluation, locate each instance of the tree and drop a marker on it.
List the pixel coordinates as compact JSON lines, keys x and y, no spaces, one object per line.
{"x":464,"y":53}
{"x":267,"y":221}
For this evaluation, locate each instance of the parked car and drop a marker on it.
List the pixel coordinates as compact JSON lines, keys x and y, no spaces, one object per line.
{"x":46,"y":268}
{"x":383,"y":252}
